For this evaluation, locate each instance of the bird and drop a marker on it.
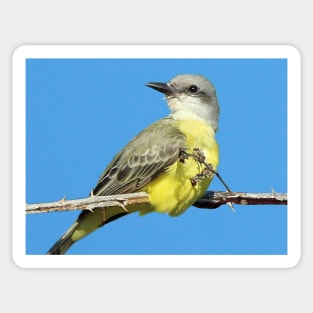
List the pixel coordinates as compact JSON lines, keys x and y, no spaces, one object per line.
{"x":173,"y":160}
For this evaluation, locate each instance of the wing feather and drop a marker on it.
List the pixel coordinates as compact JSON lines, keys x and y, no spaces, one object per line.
{"x":145,"y":157}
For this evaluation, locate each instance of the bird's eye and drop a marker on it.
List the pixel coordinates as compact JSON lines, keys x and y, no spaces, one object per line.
{"x":193,"y":88}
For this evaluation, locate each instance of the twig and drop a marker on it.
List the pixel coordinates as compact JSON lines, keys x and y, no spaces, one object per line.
{"x":211,"y":200}
{"x":88,"y":203}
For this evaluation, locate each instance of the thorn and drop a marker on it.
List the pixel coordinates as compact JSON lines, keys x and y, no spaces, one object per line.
{"x":230,"y":204}
{"x":273,"y":191}
{"x":121,"y":204}
{"x":63,"y":199}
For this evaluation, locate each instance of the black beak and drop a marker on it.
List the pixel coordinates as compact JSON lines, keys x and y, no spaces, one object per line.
{"x":162,"y":87}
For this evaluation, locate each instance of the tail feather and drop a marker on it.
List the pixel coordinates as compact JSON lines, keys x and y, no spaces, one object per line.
{"x":65,"y":242}
{"x":86,"y":223}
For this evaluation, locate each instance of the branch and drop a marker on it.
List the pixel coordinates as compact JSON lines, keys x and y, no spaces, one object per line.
{"x":89,"y":203}
{"x":210,"y":200}
{"x":213,"y":199}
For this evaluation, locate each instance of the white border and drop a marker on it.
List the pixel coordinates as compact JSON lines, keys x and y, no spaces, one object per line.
{"x":160,"y":261}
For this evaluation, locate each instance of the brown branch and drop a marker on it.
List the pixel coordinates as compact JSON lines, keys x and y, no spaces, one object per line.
{"x":89,"y":203}
{"x":211,"y":200}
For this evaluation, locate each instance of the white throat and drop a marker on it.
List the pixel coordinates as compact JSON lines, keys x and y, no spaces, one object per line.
{"x":193,"y":108}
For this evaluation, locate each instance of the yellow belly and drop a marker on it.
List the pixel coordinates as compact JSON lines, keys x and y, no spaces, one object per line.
{"x":172,"y":192}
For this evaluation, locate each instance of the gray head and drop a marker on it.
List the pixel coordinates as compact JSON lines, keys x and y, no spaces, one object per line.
{"x":190,"y":97}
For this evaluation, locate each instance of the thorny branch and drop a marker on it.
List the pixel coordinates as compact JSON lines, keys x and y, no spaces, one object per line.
{"x":210,"y":200}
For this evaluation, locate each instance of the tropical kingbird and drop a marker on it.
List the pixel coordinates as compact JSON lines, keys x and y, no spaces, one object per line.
{"x":161,"y":159}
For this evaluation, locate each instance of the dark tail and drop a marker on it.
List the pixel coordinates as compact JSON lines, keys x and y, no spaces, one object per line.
{"x":86,"y":218}
{"x":65,"y":242}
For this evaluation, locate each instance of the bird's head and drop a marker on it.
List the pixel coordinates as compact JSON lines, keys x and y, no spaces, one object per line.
{"x":190,"y":97}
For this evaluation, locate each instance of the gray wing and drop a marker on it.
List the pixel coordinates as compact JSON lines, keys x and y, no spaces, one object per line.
{"x":145,"y":157}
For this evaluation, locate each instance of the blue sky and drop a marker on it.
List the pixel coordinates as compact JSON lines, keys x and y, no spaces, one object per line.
{"x":81,"y":112}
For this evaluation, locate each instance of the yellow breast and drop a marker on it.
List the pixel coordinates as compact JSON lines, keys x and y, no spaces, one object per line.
{"x":172,"y":192}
